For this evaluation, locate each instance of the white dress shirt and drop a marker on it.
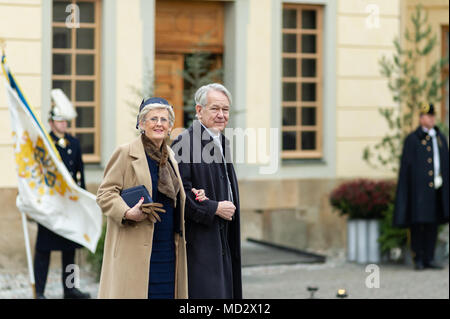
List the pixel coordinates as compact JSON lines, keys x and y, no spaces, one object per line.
{"x":436,"y":159}
{"x":217,"y":141}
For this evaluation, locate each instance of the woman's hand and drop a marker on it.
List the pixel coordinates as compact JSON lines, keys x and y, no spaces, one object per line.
{"x":199,"y":194}
{"x":135,"y":213}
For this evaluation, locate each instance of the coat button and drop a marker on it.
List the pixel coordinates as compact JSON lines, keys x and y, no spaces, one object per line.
{"x":430,"y":173}
{"x":429,"y":148}
{"x":430,"y":160}
{"x":69,"y":151}
{"x":430,"y":184}
{"x":428,"y":137}
{"x":424,"y":142}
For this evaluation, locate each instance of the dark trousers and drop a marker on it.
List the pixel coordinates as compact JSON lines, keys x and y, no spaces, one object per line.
{"x":41,"y":265}
{"x":423,"y":242}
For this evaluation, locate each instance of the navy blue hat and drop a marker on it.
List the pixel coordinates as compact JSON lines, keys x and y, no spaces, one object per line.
{"x":152,"y":100}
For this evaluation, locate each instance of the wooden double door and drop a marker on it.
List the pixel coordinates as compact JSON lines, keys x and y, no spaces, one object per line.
{"x":181,"y":28}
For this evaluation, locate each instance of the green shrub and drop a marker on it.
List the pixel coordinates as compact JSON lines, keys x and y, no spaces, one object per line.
{"x":390,"y":236}
{"x":96,"y":259}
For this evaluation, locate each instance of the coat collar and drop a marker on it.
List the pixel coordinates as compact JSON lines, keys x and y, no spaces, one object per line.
{"x":56,"y":138}
{"x":137,"y":148}
{"x":206,"y":138}
{"x":421,"y":133}
{"x":140,"y":164}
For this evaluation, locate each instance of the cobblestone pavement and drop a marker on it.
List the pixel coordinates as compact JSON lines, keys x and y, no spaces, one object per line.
{"x":15,"y":284}
{"x":395,"y":281}
{"x":281,"y":281}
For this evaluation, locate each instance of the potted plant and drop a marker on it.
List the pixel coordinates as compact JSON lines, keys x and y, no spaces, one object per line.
{"x":363,"y":202}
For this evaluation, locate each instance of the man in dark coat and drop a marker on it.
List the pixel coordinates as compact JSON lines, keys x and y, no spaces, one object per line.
{"x":422,"y":191}
{"x":70,"y":152}
{"x":212,"y":226}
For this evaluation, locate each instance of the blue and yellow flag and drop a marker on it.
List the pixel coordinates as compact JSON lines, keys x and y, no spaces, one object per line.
{"x":47,"y":192}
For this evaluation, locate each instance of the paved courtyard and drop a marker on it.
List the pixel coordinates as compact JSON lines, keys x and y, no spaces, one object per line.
{"x":283,"y":281}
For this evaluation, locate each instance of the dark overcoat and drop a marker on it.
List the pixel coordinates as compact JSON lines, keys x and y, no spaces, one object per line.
{"x":71,"y":157}
{"x":416,"y":198}
{"x":213,"y":244}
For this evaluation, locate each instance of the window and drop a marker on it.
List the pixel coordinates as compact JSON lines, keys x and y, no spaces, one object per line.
{"x":444,"y":103}
{"x":76,"y":68}
{"x":302,"y":81}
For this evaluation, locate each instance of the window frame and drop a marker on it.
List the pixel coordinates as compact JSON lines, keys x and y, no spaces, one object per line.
{"x":298,"y":153}
{"x":96,"y":77}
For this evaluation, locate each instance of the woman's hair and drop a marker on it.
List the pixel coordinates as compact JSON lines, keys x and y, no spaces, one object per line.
{"x":201,"y":96}
{"x":155,"y":106}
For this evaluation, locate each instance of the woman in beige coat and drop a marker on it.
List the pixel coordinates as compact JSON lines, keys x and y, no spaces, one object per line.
{"x":145,"y":247}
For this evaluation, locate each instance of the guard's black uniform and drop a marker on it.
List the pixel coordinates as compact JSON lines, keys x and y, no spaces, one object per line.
{"x":48,"y":240}
{"x":419,"y":205}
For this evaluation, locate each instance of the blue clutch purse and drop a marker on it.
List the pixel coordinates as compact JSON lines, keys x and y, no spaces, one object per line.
{"x":132,"y":195}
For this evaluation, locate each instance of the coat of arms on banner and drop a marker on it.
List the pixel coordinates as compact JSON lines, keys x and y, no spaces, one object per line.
{"x":36,"y":166}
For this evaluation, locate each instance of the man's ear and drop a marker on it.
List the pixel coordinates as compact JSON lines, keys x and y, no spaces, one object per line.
{"x":198,"y":109}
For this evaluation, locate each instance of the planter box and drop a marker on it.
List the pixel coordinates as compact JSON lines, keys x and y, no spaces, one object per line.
{"x":362,"y":241}
{"x":351,"y":240}
{"x":373,"y":249}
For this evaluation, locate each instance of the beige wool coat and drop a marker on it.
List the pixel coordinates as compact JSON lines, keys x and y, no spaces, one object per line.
{"x":128,"y":248}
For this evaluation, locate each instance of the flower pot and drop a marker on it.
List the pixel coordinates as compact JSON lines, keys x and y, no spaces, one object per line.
{"x":373,"y":246}
{"x":361,"y":238}
{"x":351,"y":240}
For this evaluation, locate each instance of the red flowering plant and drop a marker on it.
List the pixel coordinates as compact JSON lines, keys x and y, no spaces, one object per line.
{"x":363,"y":199}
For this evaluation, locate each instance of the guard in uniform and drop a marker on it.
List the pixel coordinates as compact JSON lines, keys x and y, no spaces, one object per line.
{"x":422,"y":191}
{"x":70,"y":152}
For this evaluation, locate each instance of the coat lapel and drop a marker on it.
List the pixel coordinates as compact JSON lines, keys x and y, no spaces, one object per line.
{"x":208,"y":143}
{"x":140,"y":164}
{"x":177,"y":172}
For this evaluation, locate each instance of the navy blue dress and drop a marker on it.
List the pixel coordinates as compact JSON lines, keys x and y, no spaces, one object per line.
{"x":162,"y":261}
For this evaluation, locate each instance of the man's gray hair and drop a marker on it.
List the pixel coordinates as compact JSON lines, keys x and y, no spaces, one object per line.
{"x":201,"y":96}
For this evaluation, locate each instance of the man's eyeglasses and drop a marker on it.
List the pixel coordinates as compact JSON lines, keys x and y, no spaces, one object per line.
{"x":216,"y":109}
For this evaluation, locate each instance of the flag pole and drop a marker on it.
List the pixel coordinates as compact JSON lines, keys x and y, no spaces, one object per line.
{"x":24,"y":217}
{"x":28,"y":250}
{"x":2,"y":45}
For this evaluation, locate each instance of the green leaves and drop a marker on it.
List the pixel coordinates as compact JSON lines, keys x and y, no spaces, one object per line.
{"x":409,"y":88}
{"x":390,"y":237}
{"x":200,"y":69}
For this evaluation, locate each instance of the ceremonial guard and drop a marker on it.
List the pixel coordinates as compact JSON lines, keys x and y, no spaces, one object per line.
{"x":70,"y":152}
{"x":422,"y":192}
